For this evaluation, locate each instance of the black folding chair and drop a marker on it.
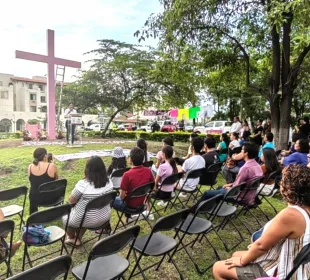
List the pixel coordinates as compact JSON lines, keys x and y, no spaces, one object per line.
{"x":5,"y":228}
{"x":148,"y":164}
{"x":52,"y":193}
{"x":264,"y":196}
{"x":302,"y":258}
{"x":194,"y":225}
{"x":142,"y":191}
{"x":103,"y":262}
{"x":14,"y":209}
{"x":170,"y":180}
{"x":56,"y":233}
{"x":193,"y":174}
{"x":156,"y":244}
{"x":50,"y":270}
{"x":247,"y":201}
{"x":227,"y":211}
{"x":117,"y":175}
{"x":208,"y":178}
{"x":95,"y":204}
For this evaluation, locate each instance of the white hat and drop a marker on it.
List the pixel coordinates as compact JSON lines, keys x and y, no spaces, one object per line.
{"x":118,"y":152}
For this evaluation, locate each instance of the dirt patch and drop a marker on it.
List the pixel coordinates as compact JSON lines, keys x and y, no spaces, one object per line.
{"x":69,"y":165}
{"x":9,"y":143}
{"x":6,"y":171}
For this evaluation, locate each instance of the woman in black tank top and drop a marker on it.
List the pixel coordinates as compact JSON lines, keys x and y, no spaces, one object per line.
{"x":40,"y":155}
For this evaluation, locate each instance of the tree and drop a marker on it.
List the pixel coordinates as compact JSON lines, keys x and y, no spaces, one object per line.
{"x":275,"y":32}
{"x":118,"y":79}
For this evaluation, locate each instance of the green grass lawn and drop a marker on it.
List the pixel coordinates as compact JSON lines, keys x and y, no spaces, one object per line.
{"x":13,"y":172}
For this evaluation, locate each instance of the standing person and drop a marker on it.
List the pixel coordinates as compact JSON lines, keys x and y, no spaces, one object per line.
{"x":268,"y":143}
{"x":304,"y":129}
{"x":267,"y":126}
{"x":258,"y":132}
{"x":165,"y":170}
{"x":245,"y":131}
{"x":223,"y":145}
{"x":155,"y":127}
{"x":39,"y":172}
{"x":141,"y":143}
{"x":236,"y":126}
{"x":70,"y":128}
{"x":282,"y":239}
{"x":94,"y":184}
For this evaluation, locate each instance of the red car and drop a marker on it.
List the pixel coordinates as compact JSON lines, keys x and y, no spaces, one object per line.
{"x":168,"y":127}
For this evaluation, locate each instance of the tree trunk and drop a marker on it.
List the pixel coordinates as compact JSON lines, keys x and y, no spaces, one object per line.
{"x":108,"y":123}
{"x":275,"y":119}
{"x":286,"y":105}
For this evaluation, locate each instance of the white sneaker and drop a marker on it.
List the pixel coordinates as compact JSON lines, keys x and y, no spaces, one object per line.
{"x":148,"y":215}
{"x":183,"y":195}
{"x":162,"y":203}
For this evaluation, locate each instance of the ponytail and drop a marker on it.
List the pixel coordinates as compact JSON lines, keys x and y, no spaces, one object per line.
{"x":168,"y":151}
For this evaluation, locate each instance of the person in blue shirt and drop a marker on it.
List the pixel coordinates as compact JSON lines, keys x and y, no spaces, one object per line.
{"x":268,"y":140}
{"x":300,"y":156}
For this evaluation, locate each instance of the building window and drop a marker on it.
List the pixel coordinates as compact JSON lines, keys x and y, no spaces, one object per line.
{"x":33,"y":108}
{"x":33,"y":97}
{"x":30,"y":86}
{"x":43,"y":99}
{"x":41,"y":87}
{"x":1,"y":84}
{"x":4,"y":95}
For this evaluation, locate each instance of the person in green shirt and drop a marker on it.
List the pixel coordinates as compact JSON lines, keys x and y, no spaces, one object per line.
{"x":223,"y":145}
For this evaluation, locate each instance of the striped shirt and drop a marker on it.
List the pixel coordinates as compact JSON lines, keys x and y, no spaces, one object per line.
{"x":84,"y":192}
{"x":278,"y":261}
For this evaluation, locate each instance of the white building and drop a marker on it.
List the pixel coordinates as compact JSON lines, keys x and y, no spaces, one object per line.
{"x":23,"y":99}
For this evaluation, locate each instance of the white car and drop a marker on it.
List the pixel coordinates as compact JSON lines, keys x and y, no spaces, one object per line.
{"x":214,"y":127}
{"x":146,"y":128}
{"x":189,"y":128}
{"x":94,"y":127}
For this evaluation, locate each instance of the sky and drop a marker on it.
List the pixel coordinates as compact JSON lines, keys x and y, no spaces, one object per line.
{"x":77,"y":24}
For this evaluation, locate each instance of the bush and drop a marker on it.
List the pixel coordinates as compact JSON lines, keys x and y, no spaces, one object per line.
{"x":157,"y":136}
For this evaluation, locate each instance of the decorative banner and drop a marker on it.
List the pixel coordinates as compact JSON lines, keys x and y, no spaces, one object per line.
{"x":174,"y":113}
{"x":155,"y":113}
{"x":183,"y":114}
{"x":193,"y":111}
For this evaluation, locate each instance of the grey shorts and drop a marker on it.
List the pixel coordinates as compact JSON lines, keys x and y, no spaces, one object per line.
{"x":250,"y":272}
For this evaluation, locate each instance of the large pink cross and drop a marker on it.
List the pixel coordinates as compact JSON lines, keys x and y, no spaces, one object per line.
{"x":51,"y":61}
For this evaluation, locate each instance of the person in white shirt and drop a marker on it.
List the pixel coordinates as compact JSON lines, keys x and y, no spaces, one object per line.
{"x":236,"y":126}
{"x":196,"y":161}
{"x":70,"y":128}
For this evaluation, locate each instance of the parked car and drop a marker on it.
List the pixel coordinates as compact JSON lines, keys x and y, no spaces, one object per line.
{"x":189,"y":128}
{"x":146,"y":128}
{"x":215,"y":127}
{"x":94,"y":127}
{"x":168,"y":127}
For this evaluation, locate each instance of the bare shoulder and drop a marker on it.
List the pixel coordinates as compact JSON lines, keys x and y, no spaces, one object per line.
{"x":290,"y":215}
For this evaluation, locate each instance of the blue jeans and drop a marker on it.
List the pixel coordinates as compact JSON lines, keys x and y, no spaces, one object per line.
{"x":212,"y":193}
{"x":119,"y":204}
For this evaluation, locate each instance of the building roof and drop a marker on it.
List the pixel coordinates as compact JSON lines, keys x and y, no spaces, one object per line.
{"x":28,"y":80}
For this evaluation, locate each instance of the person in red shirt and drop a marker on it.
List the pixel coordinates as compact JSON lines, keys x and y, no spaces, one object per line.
{"x":137,"y":176}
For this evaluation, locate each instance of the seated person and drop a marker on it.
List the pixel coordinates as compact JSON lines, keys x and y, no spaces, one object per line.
{"x":118,"y":162}
{"x":39,"y":172}
{"x":268,"y":140}
{"x":4,"y":245}
{"x":189,"y":153}
{"x":159,"y":157}
{"x":300,"y":156}
{"x":234,"y":141}
{"x":270,"y":165}
{"x":95,"y":183}
{"x":211,"y":156}
{"x":223,"y":145}
{"x":232,"y":167}
{"x":165,"y":170}
{"x":196,"y":161}
{"x":137,"y":176}
{"x":250,"y":171}
{"x":141,"y":143}
{"x":273,"y":253}
{"x":295,"y":138}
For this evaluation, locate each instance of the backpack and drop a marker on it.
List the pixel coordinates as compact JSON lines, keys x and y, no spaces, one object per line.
{"x":36,"y":235}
